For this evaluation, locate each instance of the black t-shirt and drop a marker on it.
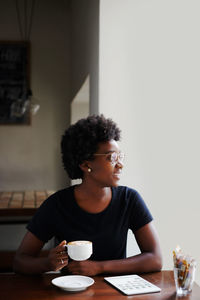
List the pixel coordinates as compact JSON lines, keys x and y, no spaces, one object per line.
{"x":61,"y":217}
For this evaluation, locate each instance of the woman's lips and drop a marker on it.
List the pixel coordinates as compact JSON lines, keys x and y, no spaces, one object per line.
{"x":117,"y":175}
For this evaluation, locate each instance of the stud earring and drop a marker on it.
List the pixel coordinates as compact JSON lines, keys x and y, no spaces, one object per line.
{"x":89,"y":170}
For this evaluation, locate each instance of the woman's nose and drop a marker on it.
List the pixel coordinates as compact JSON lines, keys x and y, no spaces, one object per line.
{"x":120,"y":164}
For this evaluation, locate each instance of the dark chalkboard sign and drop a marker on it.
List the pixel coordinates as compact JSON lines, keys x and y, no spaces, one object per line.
{"x":14,"y":83}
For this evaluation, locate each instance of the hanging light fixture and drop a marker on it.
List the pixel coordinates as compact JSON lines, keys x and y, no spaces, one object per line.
{"x":25,"y":23}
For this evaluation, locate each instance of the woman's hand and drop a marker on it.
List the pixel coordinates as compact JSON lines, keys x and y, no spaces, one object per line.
{"x":58,"y":257}
{"x":29,"y":261}
{"x":85,"y":267}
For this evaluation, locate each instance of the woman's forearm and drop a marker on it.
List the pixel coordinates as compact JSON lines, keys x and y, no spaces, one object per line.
{"x":30,"y":260}
{"x":26,"y":264}
{"x":141,"y":263}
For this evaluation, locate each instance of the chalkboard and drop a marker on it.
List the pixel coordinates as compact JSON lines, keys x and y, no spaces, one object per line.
{"x":14,"y":83}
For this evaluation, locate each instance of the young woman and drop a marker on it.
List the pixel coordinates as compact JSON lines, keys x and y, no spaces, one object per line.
{"x":97,"y":210}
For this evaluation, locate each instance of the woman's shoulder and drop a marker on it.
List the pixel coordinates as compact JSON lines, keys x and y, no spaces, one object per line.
{"x":125,"y":194}
{"x":59,"y":196}
{"x":129,"y":195}
{"x":124,"y":190}
{"x":131,"y":199}
{"x":63,"y":192}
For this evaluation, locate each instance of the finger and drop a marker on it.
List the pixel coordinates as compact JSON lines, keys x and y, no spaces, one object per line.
{"x":62,"y":256}
{"x":61,"y":246}
{"x":63,"y":262}
{"x":63,"y":243}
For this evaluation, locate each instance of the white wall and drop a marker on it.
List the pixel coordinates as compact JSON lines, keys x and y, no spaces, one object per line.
{"x":149,"y":84}
{"x":80,"y":104}
{"x":84,"y":55}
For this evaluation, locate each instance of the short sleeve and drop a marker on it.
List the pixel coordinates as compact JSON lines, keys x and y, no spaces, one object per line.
{"x":140,"y":214}
{"x":41,"y":225}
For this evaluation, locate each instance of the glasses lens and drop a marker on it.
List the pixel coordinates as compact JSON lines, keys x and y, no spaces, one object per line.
{"x":121,"y":156}
{"x":115,"y":157}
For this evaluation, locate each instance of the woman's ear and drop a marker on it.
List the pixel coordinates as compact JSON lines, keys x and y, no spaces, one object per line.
{"x":85,"y":167}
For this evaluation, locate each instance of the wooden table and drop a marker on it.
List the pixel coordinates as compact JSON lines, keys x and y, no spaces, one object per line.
{"x":15,"y":287}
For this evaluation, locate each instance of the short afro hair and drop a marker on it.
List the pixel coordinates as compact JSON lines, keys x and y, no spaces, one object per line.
{"x":80,"y":141}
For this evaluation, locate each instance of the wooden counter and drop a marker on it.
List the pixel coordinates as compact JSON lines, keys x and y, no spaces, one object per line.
{"x":17,"y":207}
{"x":20,"y":204}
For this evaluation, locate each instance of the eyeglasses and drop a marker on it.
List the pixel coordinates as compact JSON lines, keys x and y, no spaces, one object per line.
{"x":113,"y":157}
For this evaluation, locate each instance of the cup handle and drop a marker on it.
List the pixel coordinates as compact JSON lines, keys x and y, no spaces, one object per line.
{"x":66,"y":249}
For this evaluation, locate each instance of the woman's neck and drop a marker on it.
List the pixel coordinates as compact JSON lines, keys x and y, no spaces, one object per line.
{"x":92,"y":199}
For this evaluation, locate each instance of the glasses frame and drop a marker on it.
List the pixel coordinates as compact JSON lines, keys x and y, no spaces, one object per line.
{"x":112,"y":160}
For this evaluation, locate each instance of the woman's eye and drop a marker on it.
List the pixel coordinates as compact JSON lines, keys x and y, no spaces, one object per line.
{"x":114,"y":157}
{"x":109,"y":157}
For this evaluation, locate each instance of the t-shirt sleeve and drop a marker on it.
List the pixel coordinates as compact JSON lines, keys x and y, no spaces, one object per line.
{"x":140,"y":214}
{"x":41,"y":225}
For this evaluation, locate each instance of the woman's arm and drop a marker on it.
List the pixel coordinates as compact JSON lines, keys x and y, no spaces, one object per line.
{"x":149,"y":260}
{"x":27,"y":258}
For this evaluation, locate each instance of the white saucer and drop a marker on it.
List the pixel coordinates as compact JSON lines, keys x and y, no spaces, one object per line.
{"x":73,"y":283}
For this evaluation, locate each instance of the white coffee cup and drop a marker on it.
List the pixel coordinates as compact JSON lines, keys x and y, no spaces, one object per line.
{"x":79,"y":250}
